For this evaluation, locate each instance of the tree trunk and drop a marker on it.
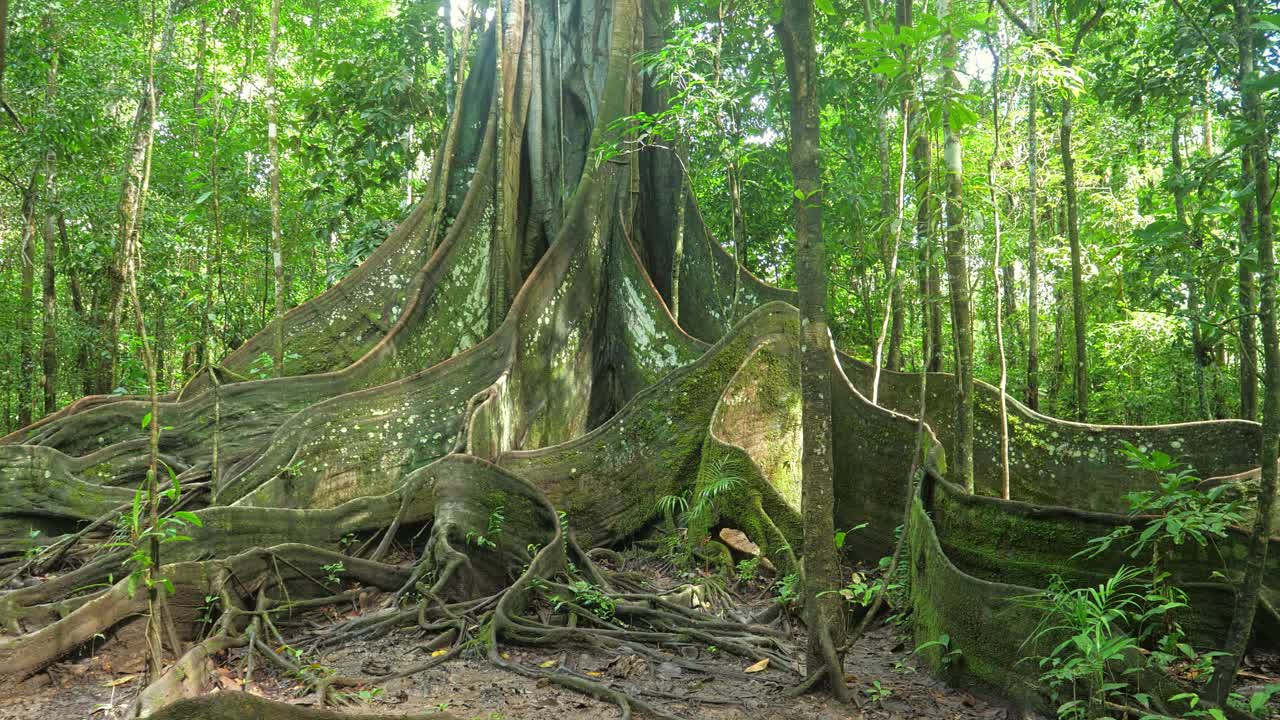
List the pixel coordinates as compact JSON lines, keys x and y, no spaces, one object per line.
{"x":4,"y":43}
{"x":823,"y":611}
{"x":1193,"y":286}
{"x":1081,"y":366}
{"x":996,"y":269}
{"x":921,"y":173}
{"x":273,"y":190}
{"x":1258,"y":144}
{"x":49,"y":238}
{"x":957,"y":268}
{"x":26,"y":299}
{"x":1032,"y":397}
{"x":1247,"y":294}
{"x":108,"y":302}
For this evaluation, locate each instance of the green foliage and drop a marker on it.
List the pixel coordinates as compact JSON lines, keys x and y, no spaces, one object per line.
{"x":493,"y":529}
{"x":1177,"y":509}
{"x":590,"y":597}
{"x":135,"y":532}
{"x":787,"y":590}
{"x":333,"y":572}
{"x":877,"y":693}
{"x":1098,"y":632}
{"x":948,"y":655}
{"x":748,"y":569}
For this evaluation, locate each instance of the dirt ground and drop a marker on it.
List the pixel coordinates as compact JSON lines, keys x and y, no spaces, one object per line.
{"x":474,"y":689}
{"x":882,"y":670}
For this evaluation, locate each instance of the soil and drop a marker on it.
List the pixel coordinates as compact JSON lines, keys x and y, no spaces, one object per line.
{"x":881,"y":668}
{"x":474,"y":689}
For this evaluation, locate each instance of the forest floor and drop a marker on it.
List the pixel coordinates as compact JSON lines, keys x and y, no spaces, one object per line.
{"x":882,"y":670}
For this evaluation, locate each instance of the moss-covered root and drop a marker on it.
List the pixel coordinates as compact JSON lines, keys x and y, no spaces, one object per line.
{"x":242,"y":706}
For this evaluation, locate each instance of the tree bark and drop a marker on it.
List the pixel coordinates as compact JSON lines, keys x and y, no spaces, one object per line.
{"x":823,"y":609}
{"x":1032,"y":397}
{"x":273,"y":151}
{"x":1248,"y":297}
{"x":49,"y":238}
{"x":996,"y":268}
{"x":109,"y":301}
{"x":4,"y":43}
{"x":26,"y":299}
{"x":1073,"y":228}
{"x":921,"y":173}
{"x":1258,"y":144}
{"x":1081,"y":364}
{"x":957,"y":265}
{"x":1193,"y":287}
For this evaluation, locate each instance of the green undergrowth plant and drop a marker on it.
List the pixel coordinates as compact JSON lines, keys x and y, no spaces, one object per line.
{"x":1176,"y":512}
{"x":948,"y":655}
{"x":1097,"y":632}
{"x":697,"y":509}
{"x":787,"y":590}
{"x":493,"y":529}
{"x":689,"y":515}
{"x":1108,"y":639}
{"x":587,"y":596}
{"x":135,"y":532}
{"x":333,"y":572}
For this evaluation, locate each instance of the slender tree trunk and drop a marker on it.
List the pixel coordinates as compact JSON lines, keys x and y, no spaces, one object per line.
{"x":996,"y":268}
{"x":922,"y":176}
{"x":26,"y":300}
{"x":450,"y":57}
{"x":200,"y":356}
{"x":677,"y":256}
{"x":823,"y":609}
{"x":933,"y":279}
{"x":1193,"y":287}
{"x":1032,"y":397}
{"x":4,"y":42}
{"x":109,"y":303}
{"x":957,"y":266}
{"x":273,"y":150}
{"x":1259,"y":144}
{"x":1059,"y":368}
{"x":1081,"y":367}
{"x":49,"y":238}
{"x":892,"y":308}
{"x":1248,"y":297}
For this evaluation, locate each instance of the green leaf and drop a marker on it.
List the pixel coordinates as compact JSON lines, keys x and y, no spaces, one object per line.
{"x":146,"y":420}
{"x":825,"y":6}
{"x":189,"y":517}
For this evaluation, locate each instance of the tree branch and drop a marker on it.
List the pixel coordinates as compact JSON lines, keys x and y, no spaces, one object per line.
{"x":1186,"y":17}
{"x":8,"y":110}
{"x":1085,"y":29}
{"x":1016,"y":19}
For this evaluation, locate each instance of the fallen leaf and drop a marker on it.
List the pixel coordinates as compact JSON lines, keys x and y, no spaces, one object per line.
{"x":506,"y":656}
{"x":547,"y":664}
{"x":123,"y":680}
{"x":438,"y":653}
{"x":757,"y":667}
{"x":594,"y":673}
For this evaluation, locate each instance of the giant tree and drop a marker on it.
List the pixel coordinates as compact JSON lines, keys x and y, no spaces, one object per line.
{"x":505,"y":353}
